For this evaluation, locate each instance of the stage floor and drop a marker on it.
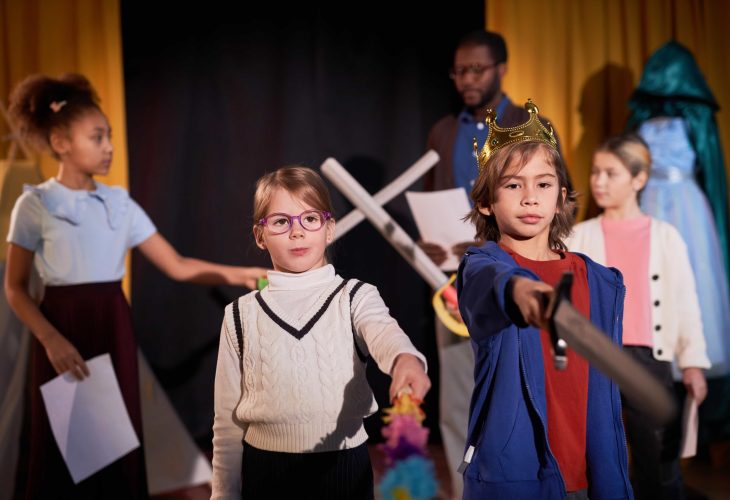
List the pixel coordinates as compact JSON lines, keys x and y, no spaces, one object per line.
{"x":705,"y":478}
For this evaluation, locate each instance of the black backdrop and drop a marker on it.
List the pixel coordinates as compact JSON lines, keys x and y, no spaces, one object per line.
{"x":215,"y":99}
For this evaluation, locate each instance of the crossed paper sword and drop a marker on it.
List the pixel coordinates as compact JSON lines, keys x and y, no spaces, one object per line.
{"x":569,"y":328}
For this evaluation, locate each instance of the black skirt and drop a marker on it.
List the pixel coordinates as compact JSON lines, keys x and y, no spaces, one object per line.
{"x":329,"y":475}
{"x":96,"y":319}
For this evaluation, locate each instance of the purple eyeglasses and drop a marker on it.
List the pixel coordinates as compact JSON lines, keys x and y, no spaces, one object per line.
{"x":311,"y":220}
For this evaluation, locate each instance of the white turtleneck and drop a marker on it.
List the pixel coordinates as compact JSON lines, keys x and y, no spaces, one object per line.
{"x":286,"y":288}
{"x":297,"y":395}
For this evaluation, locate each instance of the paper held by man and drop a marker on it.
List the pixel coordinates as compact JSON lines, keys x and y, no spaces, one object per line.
{"x":439,"y":217}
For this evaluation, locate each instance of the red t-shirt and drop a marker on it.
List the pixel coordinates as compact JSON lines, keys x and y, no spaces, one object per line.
{"x":566,"y":391}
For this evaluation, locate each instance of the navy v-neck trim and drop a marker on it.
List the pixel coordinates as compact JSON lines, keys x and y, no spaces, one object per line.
{"x":294,"y":332}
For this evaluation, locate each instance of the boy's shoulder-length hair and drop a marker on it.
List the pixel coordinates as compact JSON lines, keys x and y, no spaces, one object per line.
{"x":483,"y":193}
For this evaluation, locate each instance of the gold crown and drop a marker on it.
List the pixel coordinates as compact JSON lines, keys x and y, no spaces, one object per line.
{"x":531,"y":130}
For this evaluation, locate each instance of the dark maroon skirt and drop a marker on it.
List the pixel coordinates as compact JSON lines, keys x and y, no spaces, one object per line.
{"x":96,"y":319}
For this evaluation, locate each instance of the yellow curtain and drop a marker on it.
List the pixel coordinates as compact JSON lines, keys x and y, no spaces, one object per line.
{"x":580,"y":60}
{"x":59,"y":36}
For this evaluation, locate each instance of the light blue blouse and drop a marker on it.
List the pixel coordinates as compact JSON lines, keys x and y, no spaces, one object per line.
{"x":78,"y":236}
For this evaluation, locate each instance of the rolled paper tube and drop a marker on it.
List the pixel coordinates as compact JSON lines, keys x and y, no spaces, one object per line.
{"x":399,"y":184}
{"x":384,"y":223}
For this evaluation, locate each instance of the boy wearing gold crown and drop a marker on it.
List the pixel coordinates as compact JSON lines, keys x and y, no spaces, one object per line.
{"x":534,"y":431}
{"x":479,"y":64}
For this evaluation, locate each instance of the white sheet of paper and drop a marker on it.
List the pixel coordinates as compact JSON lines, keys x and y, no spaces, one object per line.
{"x":88,"y":418}
{"x":438,"y":217}
{"x":690,"y":427}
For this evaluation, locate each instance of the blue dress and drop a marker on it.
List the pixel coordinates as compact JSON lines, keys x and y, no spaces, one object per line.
{"x":673,"y":195}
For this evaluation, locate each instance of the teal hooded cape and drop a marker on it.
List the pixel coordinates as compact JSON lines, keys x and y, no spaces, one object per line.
{"x":672,"y":85}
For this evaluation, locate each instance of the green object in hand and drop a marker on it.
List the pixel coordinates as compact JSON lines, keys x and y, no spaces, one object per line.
{"x":261,"y":283}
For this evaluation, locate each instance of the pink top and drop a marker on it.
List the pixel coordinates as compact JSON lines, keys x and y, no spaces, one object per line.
{"x":627,"y":243}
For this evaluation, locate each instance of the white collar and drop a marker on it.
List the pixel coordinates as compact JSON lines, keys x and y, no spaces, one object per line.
{"x":70,"y":204}
{"x":320,"y":276}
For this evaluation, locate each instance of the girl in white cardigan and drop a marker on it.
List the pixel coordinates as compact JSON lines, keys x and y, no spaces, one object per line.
{"x":661,"y":314}
{"x":290,"y":386}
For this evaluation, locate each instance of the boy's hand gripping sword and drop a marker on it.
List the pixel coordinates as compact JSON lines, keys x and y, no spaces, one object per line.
{"x":569,"y":328}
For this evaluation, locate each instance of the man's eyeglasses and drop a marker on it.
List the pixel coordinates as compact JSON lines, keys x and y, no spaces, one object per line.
{"x":475,"y":69}
{"x":311,"y":220}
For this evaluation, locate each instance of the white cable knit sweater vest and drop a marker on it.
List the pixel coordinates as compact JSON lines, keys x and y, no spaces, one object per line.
{"x":303,"y":385}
